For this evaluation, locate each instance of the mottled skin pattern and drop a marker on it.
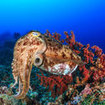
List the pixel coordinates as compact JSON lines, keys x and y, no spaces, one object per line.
{"x":43,"y":52}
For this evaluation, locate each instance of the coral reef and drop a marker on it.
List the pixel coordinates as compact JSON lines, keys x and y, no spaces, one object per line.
{"x":6,"y":77}
{"x":85,"y":86}
{"x":92,"y":72}
{"x":6,"y":98}
{"x":56,"y":84}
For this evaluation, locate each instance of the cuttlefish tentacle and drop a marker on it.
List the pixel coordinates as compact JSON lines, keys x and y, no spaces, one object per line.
{"x":43,"y":52}
{"x":25,"y":80}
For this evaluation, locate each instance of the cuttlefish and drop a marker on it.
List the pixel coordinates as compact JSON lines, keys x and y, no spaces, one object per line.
{"x":43,"y":52}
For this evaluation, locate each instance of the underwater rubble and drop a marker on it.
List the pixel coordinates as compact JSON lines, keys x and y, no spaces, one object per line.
{"x":86,"y":86}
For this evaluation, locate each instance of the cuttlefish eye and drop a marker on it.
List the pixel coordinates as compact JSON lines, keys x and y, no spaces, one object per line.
{"x":38,"y":60}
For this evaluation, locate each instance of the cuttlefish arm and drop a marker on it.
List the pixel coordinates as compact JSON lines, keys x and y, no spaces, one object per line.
{"x":26,"y":48}
{"x":24,"y":78}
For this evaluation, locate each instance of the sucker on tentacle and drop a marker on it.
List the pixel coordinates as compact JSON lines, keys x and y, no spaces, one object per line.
{"x":43,"y":52}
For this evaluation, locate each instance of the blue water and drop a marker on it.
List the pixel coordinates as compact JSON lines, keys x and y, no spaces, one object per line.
{"x":85,"y":17}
